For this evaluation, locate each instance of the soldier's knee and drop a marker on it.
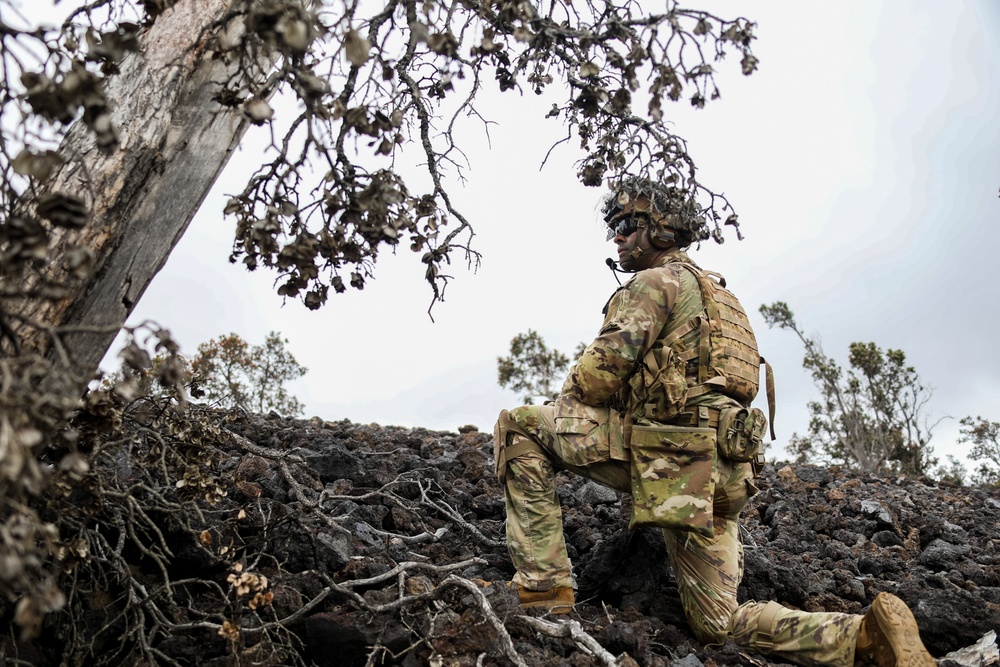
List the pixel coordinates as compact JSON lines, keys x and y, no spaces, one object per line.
{"x":529,"y":468}
{"x":509,"y":443}
{"x":711,"y":632}
{"x":711,"y":625}
{"x":520,"y":414}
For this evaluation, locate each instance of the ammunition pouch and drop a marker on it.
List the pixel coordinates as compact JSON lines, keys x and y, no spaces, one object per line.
{"x":658,"y":386}
{"x":673,"y":470}
{"x":741,"y":434}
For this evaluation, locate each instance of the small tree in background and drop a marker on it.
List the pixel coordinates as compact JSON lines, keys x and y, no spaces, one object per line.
{"x":140,"y":375}
{"x":985,"y":438}
{"x":233,"y":373}
{"x":532,"y":367}
{"x":870,"y":417}
{"x":952,"y":472}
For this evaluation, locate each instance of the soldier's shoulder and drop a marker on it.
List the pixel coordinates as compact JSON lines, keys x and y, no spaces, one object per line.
{"x":658,"y":285}
{"x":658,"y":276}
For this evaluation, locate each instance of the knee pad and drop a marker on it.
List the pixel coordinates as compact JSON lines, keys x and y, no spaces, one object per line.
{"x":510,"y":442}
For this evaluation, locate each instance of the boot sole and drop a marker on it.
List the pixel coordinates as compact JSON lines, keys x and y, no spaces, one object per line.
{"x":559,"y":608}
{"x":551,"y":602}
{"x":898,"y":643}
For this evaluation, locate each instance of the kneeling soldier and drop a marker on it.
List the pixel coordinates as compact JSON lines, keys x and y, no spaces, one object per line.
{"x":659,"y":406}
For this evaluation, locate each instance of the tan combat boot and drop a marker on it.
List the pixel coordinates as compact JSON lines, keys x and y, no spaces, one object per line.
{"x":558,"y":600}
{"x":889,"y":636}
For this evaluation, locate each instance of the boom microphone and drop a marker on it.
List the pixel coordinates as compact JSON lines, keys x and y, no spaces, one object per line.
{"x":613,"y":265}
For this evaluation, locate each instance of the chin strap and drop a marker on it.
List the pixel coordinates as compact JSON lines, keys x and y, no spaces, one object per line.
{"x":638,"y":251}
{"x":650,"y":250}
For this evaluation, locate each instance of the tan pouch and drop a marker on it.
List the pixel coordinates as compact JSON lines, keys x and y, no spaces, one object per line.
{"x":674,"y":469}
{"x":658,"y":388}
{"x":741,"y":434}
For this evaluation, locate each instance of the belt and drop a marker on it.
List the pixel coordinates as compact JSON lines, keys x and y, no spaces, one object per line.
{"x":701,"y":417}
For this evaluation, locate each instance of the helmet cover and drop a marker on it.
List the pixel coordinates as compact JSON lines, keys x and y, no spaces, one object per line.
{"x":673,"y":215}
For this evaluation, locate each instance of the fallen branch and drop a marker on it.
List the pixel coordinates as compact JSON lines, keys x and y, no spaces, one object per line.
{"x":504,"y":641}
{"x":570,"y":629}
{"x":446,"y":509}
{"x":981,"y":654}
{"x":410,"y":565}
{"x":422,"y":538}
{"x":265,"y":452}
{"x":300,"y":495}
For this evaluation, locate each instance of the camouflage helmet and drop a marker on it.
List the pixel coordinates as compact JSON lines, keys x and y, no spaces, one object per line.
{"x":673,"y":216}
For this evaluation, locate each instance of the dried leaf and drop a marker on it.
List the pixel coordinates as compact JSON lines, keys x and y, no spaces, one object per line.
{"x":136,"y":357}
{"x":356,"y":48}
{"x":29,"y":437}
{"x":295,"y":32}
{"x":258,"y":111}
{"x":443,"y":43}
{"x":36,"y":165}
{"x":487,"y":44}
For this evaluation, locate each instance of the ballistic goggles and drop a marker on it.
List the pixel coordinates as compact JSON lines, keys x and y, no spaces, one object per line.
{"x":625,"y":226}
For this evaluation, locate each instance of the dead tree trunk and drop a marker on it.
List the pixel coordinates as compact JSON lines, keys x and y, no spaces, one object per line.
{"x":175,"y":140}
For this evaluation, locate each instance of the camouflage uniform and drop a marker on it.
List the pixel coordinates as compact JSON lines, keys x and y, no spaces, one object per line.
{"x":583,"y":432}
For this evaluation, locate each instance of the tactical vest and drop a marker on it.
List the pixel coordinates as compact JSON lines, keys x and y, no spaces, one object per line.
{"x":728,"y":361}
{"x":708,"y":346}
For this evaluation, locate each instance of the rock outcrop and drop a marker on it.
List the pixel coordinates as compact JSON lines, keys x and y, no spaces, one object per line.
{"x":347,"y":544}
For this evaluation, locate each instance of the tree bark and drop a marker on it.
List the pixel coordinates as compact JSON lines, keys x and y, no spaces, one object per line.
{"x":175,"y":140}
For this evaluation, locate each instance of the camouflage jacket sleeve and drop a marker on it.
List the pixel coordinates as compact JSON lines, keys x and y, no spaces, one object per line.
{"x":636,"y":316}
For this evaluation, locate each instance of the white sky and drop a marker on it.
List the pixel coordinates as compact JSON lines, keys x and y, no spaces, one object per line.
{"x":863,"y":158}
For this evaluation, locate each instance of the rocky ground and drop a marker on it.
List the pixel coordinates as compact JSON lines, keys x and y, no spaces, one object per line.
{"x":346,"y":544}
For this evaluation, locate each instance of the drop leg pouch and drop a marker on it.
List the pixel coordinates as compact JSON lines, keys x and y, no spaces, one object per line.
{"x":673,"y":471}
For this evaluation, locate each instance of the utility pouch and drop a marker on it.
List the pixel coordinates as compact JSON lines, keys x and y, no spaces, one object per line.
{"x":673,"y":470}
{"x":659,"y":388}
{"x":741,"y":434}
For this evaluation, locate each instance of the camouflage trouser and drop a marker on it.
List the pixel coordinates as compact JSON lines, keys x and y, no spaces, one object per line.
{"x":708,"y":569}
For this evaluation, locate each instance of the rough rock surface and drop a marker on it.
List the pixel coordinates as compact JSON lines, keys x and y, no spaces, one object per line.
{"x":386,"y":546}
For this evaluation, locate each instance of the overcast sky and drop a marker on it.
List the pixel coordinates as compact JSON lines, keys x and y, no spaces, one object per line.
{"x":863,"y":158}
